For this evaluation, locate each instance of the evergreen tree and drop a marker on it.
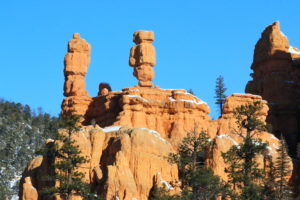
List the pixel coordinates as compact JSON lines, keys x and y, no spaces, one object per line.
{"x":67,"y":161}
{"x":191,"y":91}
{"x":161,"y":193}
{"x":282,"y":170}
{"x":269,"y":184}
{"x":220,"y":92}
{"x":243,"y":172}
{"x":21,"y":134}
{"x":198,"y":181}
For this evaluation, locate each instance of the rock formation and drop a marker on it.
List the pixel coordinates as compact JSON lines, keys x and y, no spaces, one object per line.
{"x":76,"y":65}
{"x":142,"y":57}
{"x":29,"y":192}
{"x":135,"y":129}
{"x":127,"y":158}
{"x":276,"y":77}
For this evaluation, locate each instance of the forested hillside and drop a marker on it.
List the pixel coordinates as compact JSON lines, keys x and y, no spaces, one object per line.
{"x":22,"y":132}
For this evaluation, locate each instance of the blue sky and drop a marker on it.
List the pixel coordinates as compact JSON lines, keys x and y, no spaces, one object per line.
{"x":195,"y":42}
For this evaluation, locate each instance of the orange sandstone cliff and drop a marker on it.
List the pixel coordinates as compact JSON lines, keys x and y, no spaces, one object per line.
{"x":137,"y":128}
{"x":276,"y":77}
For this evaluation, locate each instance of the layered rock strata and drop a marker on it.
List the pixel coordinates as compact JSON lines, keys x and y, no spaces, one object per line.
{"x":134,"y":130}
{"x":276,"y":77}
{"x":128,"y":158}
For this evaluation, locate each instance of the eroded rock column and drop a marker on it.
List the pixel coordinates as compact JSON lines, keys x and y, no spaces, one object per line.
{"x":77,"y":61}
{"x":142,"y":57}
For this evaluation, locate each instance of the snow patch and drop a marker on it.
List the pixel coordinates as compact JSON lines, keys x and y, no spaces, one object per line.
{"x":283,"y":34}
{"x":111,"y":129}
{"x":228,"y":137}
{"x":138,"y":97}
{"x":168,"y":186}
{"x":165,"y":183}
{"x":155,"y":134}
{"x":15,"y":197}
{"x":293,"y":50}
{"x":190,"y":101}
{"x":274,"y":138}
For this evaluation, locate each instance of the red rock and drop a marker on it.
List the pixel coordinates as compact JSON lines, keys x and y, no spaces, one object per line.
{"x":142,"y":125}
{"x":76,"y":64}
{"x":143,"y":58}
{"x":276,"y":78}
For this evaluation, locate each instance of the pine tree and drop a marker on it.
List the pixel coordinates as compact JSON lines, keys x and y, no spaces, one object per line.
{"x":269,"y":183}
{"x":21,"y":134}
{"x":243,"y":172}
{"x":198,"y":181}
{"x":220,"y":92}
{"x":282,"y":170}
{"x":67,"y":160}
{"x":161,"y":193}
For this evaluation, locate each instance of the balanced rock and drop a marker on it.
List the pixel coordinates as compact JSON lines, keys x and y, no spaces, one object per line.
{"x":142,"y":57}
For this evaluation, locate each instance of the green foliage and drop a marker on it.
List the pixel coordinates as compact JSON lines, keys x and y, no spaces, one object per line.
{"x":282,"y":170}
{"x":243,"y":172}
{"x":22,"y":132}
{"x":220,"y":92}
{"x":161,"y":193}
{"x":198,"y":181}
{"x":67,"y":161}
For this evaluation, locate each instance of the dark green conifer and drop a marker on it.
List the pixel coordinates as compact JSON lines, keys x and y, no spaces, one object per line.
{"x":67,"y":162}
{"x":220,"y":92}
{"x":244,"y":174}
{"x":282,"y":171}
{"x":199,"y":182}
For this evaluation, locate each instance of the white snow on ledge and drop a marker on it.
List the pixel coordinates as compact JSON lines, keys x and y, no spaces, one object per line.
{"x":164,"y":182}
{"x":293,"y":50}
{"x":228,"y":137}
{"x":283,"y":34}
{"x":111,"y":129}
{"x":155,"y":134}
{"x":190,"y":101}
{"x":138,"y":97}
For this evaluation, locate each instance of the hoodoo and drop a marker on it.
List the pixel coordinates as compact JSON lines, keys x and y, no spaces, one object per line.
{"x":276,"y":77}
{"x":134,"y":130}
{"x":143,"y":58}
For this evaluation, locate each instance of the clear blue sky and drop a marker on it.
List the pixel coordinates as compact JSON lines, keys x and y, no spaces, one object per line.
{"x":195,"y":42}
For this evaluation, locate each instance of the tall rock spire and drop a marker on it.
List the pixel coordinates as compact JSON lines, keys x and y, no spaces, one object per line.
{"x":142,"y":57}
{"x":276,"y":78}
{"x":273,"y":43}
{"x":76,"y":63}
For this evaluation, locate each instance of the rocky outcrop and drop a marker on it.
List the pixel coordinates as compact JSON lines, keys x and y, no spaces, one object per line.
{"x":170,"y":112}
{"x":29,"y":192}
{"x":134,"y":130}
{"x":142,"y":57}
{"x":128,"y":158}
{"x":276,"y":77}
{"x":122,"y":163}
